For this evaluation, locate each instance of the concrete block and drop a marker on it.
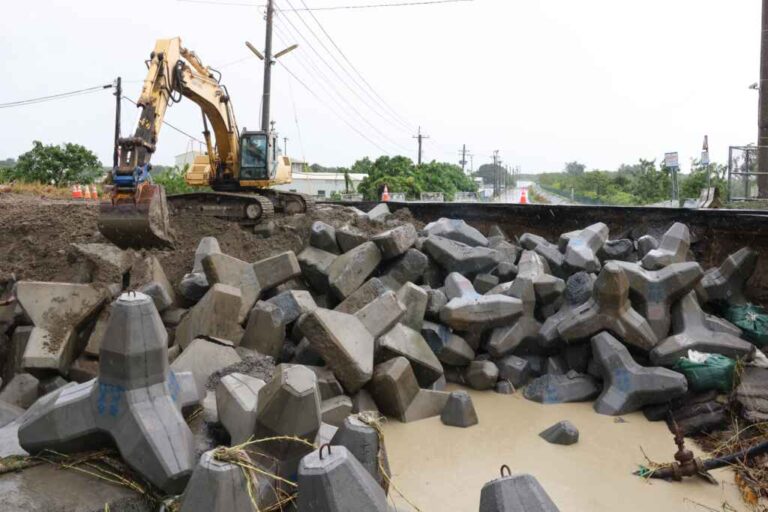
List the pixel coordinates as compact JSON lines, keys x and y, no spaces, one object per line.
{"x":323,"y":236}
{"x":525,"y":330}
{"x":508,"y":252}
{"x":276,"y":270}
{"x":336,"y":481}
{"x":194,"y":285}
{"x":515,"y":493}
{"x":449,"y":348}
{"x":350,"y":270}
{"x":97,"y":333}
{"x":549,"y":252}
{"x":363,"y":441}
{"x":409,"y":267}
{"x":154,"y":282}
{"x":294,"y":303}
{"x":727,"y":282}
{"x":401,"y":340}
{"x":314,"y":265}
{"x":394,"y":387}
{"x":414,"y":299}
{"x":289,"y":405}
{"x":505,"y":271}
{"x":467,"y":309}
{"x":458,"y":257}
{"x":265,"y":330}
{"x":458,"y":230}
{"x":57,"y":311}
{"x":692,"y":332}
{"x":237,"y":398}
{"x":9,"y":413}
{"x":203,"y":358}
{"x":395,"y":242}
{"x":481,"y":375}
{"x":609,"y":309}
{"x":427,"y":404}
{"x":348,"y":237}
{"x":334,"y":410}
{"x":627,"y":385}
{"x":378,"y":213}
{"x":436,"y":299}
{"x":619,"y":250}
{"x":557,"y":389}
{"x":223,"y":269}
{"x":20,"y":391}
{"x":108,"y":263}
{"x":381,"y":315}
{"x":515,"y":370}
{"x":50,"y":385}
{"x":363,"y":401}
{"x":215,"y":315}
{"x":344,"y":343}
{"x":672,"y":249}
{"x":459,"y":411}
{"x":562,"y":432}
{"x":172,"y":317}
{"x":484,"y":283}
{"x":369,"y":291}
{"x":14,"y":356}
{"x":653,"y":292}
{"x":548,"y":288}
{"x":646,"y":244}
{"x":135,"y":402}
{"x":217,"y":486}
{"x":504,"y":387}
{"x":581,"y":252}
{"x":578,"y":291}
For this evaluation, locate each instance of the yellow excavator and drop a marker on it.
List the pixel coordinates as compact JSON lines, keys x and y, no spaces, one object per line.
{"x":241,"y":167}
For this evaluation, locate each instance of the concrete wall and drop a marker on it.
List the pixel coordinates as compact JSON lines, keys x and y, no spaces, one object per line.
{"x":714,"y":233}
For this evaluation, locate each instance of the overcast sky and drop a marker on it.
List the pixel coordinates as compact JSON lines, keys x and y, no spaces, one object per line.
{"x":604,"y":82}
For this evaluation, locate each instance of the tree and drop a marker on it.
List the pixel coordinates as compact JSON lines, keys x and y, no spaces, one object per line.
{"x":692,"y":184}
{"x":57,"y":165}
{"x":489,"y":172}
{"x":575,"y":168}
{"x":400,"y":174}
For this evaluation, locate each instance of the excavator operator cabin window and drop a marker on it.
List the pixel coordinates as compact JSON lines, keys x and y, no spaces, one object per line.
{"x":253,"y":159}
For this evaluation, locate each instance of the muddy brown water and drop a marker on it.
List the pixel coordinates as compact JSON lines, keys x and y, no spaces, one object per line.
{"x":441,"y":468}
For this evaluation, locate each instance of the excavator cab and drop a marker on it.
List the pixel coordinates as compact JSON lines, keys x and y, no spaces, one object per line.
{"x":255,"y":152}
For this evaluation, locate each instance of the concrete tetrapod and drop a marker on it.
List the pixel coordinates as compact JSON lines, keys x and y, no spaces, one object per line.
{"x":515,"y":493}
{"x":548,"y":287}
{"x":654,"y":291}
{"x":558,"y":389}
{"x":672,"y":249}
{"x":609,"y":309}
{"x":224,"y":269}
{"x":727,"y":282}
{"x":237,"y":398}
{"x":578,"y":290}
{"x":563,"y":432}
{"x":467,"y":309}
{"x":333,"y":480}
{"x":459,"y":411}
{"x":548,"y":251}
{"x":218,"y":486}
{"x":581,"y":252}
{"x":458,"y":257}
{"x":56,"y":310}
{"x":627,"y":386}
{"x":363,"y":441}
{"x":350,"y":270}
{"x":136,"y":402}
{"x":194,"y":285}
{"x":692,"y":332}
{"x":526,"y":328}
{"x":458,"y":230}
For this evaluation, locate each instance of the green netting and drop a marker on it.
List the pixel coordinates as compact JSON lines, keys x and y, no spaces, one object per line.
{"x":753,"y":320}
{"x":714,"y":373}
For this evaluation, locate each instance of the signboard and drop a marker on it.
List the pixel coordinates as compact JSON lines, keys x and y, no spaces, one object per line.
{"x":671,"y":160}
{"x":705,"y":158}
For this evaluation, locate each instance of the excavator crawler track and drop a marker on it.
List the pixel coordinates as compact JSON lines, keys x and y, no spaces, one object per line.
{"x":247,"y":209}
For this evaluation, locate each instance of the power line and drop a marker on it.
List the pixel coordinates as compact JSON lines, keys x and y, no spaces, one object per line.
{"x":344,"y":56}
{"x":332,"y":7}
{"x":169,"y":125}
{"x":53,"y":97}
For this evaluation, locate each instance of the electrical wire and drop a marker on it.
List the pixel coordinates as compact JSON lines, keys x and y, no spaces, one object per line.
{"x":296,"y":121}
{"x":343,"y":98}
{"x":53,"y":97}
{"x":333,"y":7}
{"x":169,"y":125}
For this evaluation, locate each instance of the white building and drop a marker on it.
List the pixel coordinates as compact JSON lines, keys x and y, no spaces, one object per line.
{"x":320,"y":184}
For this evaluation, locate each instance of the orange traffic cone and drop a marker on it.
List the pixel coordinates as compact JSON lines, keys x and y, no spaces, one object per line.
{"x":94,"y":193}
{"x":77,"y":193}
{"x":523,"y":199}
{"x":385,"y":194}
{"x":87,"y":193}
{"x":74,"y":191}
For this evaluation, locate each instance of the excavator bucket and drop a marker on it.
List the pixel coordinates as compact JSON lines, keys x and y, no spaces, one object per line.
{"x":137,"y":219}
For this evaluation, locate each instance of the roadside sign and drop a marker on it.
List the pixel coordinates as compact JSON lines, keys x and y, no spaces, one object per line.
{"x":671,"y":160}
{"x":705,"y":157}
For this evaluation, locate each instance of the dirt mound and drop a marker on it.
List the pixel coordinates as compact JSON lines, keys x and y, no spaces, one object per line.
{"x":36,"y":236}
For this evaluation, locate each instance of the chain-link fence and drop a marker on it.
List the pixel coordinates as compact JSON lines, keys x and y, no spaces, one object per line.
{"x":742,"y":173}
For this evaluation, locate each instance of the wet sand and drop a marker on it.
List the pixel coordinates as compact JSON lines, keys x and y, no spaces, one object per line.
{"x":442,"y":469}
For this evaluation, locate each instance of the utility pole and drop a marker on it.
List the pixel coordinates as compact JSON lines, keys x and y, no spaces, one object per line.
{"x":285,"y":146}
{"x":420,"y":137}
{"x":267,"y":69}
{"x":496,"y":173}
{"x":118,"y":101}
{"x":762,"y":115}
{"x":463,"y":160}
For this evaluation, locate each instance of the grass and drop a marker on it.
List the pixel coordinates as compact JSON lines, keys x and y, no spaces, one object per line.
{"x":535,"y":197}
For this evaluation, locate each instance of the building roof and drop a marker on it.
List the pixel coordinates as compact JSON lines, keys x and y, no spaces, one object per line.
{"x":327,"y":176}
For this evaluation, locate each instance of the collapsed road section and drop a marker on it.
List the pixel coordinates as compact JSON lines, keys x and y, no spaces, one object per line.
{"x":232,"y":382}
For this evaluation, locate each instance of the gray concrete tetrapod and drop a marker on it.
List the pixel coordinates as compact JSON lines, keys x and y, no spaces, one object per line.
{"x":332,"y":480}
{"x":563,"y":432}
{"x":364,"y":442}
{"x":546,"y":250}
{"x":467,"y":309}
{"x":578,"y":290}
{"x":654,"y":291}
{"x":672,"y":249}
{"x":515,"y":493}
{"x":727,"y":282}
{"x":692,"y":332}
{"x":135,"y":402}
{"x":525,"y":329}
{"x":627,"y":386}
{"x":548,"y":287}
{"x":217,"y":486}
{"x":609,"y":309}
{"x":581,"y":251}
